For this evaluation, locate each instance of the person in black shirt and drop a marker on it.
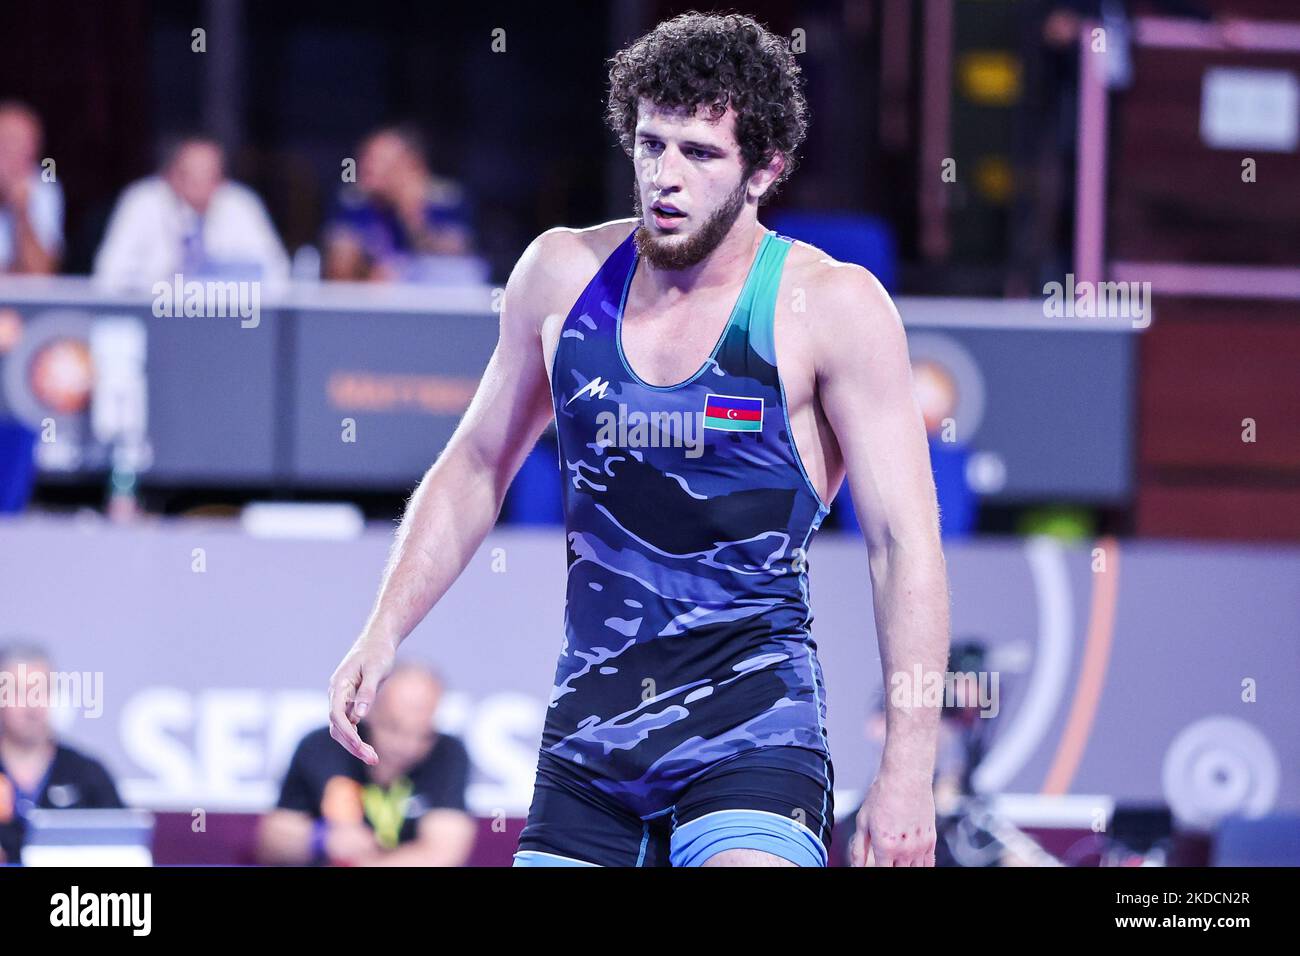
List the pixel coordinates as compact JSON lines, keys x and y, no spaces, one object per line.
{"x":409,"y":809}
{"x":36,"y":771}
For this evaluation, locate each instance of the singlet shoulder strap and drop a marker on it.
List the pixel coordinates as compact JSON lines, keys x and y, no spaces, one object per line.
{"x":761,"y":305}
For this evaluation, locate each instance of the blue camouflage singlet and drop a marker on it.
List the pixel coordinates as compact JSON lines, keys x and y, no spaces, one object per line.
{"x":688,"y":516}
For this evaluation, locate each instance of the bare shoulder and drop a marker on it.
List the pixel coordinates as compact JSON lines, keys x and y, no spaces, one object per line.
{"x":844,"y":304}
{"x":559,"y":263}
{"x":837,"y":291}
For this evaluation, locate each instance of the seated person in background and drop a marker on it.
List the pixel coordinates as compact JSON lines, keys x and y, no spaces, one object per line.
{"x":31,"y":210}
{"x":407,"y":810}
{"x":191,"y":220}
{"x":396,"y":211}
{"x":36,"y":771}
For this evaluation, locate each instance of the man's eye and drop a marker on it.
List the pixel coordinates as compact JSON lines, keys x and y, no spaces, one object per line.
{"x":655,"y":146}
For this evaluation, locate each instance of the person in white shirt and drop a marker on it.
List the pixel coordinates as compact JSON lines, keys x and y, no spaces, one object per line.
{"x":190,"y":220}
{"x":31,"y":207}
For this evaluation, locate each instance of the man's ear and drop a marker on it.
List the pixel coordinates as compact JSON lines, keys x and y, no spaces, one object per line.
{"x":761,"y":179}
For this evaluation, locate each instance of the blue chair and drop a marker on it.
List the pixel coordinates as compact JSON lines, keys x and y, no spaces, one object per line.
{"x":534,"y":497}
{"x":865,"y":240}
{"x":1267,"y":841}
{"x":958,"y":504}
{"x":17,"y":466}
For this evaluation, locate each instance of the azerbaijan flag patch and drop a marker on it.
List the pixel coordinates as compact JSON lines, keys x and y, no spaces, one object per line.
{"x":733,"y":413}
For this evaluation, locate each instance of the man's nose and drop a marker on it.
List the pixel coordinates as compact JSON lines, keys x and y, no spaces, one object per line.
{"x":667,"y":171}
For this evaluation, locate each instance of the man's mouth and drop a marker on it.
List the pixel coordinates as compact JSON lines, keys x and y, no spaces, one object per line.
{"x":666,"y":215}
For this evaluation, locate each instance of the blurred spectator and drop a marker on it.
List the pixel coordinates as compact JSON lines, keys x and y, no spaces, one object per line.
{"x":397,"y":212}
{"x":36,"y":771}
{"x":407,"y":810}
{"x":190,"y":219}
{"x":31,"y":210}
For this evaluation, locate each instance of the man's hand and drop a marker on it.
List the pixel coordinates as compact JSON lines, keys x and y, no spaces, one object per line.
{"x":352,"y":692}
{"x":895,"y":824}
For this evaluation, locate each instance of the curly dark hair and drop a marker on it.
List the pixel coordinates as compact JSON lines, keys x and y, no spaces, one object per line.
{"x":715,"y":60}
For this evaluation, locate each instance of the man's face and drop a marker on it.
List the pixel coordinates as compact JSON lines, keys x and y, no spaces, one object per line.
{"x":384,"y":162}
{"x":196,"y":173}
{"x":691,"y":183}
{"x":23,"y":722}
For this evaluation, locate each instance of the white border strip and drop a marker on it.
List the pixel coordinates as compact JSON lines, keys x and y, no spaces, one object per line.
{"x":1216,"y":281}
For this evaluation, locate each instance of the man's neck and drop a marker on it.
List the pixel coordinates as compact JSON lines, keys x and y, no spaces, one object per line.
{"x":18,"y":753}
{"x":385,"y":776}
{"x":720,"y":269}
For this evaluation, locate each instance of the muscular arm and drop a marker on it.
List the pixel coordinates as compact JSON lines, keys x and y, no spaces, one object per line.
{"x":458,"y":500}
{"x":865,"y":385}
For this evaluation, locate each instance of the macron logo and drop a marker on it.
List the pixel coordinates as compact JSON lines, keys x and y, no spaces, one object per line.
{"x":595,"y":388}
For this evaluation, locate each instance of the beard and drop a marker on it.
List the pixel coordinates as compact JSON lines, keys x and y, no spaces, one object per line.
{"x":670,"y":252}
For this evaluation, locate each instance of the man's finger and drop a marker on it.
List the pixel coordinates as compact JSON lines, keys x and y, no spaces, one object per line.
{"x":341,"y":726}
{"x":346,"y":735}
{"x":365,"y":695}
{"x":340,"y":691}
{"x":340,"y":732}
